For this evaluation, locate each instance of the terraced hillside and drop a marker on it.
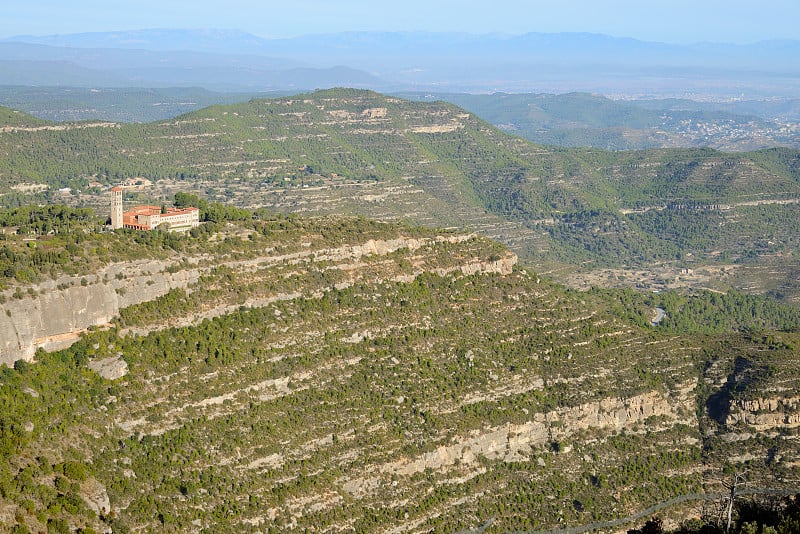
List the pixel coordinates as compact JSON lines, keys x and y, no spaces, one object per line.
{"x":583,"y":215}
{"x":342,"y":375}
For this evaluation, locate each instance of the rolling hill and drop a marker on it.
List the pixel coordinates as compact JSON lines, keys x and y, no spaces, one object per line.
{"x":574,"y":119}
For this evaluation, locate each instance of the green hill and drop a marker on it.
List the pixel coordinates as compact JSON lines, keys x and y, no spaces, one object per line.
{"x":342,"y":374}
{"x":657,"y":218}
{"x":573,"y":119}
{"x":13,"y":118}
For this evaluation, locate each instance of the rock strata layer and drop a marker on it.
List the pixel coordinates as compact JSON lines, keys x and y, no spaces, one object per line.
{"x":54,"y":314}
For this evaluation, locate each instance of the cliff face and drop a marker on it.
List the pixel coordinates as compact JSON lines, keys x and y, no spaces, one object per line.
{"x":54,"y":314}
{"x":765,"y":414}
{"x":519,"y":442}
{"x":335,"y":382}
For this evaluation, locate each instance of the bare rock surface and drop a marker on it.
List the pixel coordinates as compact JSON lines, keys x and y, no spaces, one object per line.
{"x":110,"y":368}
{"x":95,"y":496}
{"x":52,"y":317}
{"x":765,"y":414}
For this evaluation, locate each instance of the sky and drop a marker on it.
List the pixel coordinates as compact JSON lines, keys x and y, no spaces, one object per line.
{"x":673,"y":21}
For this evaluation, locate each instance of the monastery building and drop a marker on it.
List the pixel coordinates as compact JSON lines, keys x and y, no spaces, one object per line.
{"x":150,"y":217}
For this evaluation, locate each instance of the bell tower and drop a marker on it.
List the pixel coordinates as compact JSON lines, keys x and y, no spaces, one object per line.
{"x":116,"y":207}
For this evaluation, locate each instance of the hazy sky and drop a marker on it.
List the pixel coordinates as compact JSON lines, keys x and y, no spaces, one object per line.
{"x":676,"y":21}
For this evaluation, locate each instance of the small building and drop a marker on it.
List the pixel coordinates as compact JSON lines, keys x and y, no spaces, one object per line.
{"x":151,"y":217}
{"x":136,"y":184}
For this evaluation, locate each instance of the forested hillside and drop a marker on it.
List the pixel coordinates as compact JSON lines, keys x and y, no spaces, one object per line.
{"x":340,"y":374}
{"x":654,"y":218}
{"x":572,"y":119}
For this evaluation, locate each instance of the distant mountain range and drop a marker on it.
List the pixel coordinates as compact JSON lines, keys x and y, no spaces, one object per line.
{"x":37,"y":64}
{"x":233,"y":60}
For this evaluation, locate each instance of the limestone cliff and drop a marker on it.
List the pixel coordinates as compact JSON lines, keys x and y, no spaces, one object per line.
{"x":53,"y":315}
{"x":765,"y":414}
{"x":517,"y":442}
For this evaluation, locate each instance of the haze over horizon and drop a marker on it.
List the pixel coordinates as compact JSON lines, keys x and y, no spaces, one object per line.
{"x":677,"y":21}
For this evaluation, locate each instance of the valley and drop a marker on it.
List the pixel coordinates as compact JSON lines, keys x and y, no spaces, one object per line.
{"x":624,"y":122}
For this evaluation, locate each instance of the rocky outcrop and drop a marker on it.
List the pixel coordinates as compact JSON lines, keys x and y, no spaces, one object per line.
{"x":110,"y":368}
{"x":382,"y":247}
{"x":54,"y":314}
{"x":516,"y":442}
{"x":95,"y":496}
{"x":502,"y":266}
{"x":765,"y":413}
